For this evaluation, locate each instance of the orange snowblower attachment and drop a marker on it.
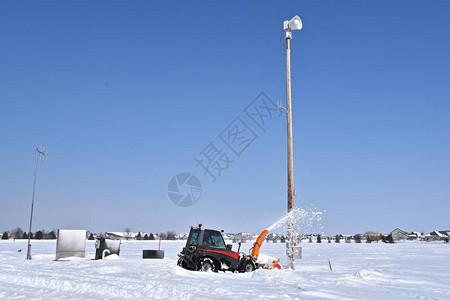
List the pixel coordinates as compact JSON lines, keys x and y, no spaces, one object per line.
{"x":257,"y":247}
{"x":258,"y":243}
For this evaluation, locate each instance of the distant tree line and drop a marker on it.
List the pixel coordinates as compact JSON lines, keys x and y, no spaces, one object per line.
{"x":367,"y":237}
{"x":169,"y":235}
{"x":18,"y":233}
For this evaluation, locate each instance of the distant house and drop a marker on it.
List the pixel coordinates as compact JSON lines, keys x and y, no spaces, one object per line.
{"x":348,"y":238}
{"x":431,"y":238}
{"x":240,"y":237}
{"x":273,"y":237}
{"x":447,"y":232}
{"x":121,"y":235}
{"x":414,"y":235}
{"x":337,"y":238}
{"x":398,"y":234}
{"x":228,"y":236}
{"x":182,"y":236}
{"x":440,"y":235}
{"x":359,"y":237}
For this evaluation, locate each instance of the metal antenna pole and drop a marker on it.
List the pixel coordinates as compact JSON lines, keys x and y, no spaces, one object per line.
{"x":290,"y":149}
{"x":43,"y":153}
{"x":32,"y":205}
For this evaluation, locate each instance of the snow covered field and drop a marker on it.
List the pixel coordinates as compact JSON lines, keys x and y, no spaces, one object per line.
{"x":360,"y":271}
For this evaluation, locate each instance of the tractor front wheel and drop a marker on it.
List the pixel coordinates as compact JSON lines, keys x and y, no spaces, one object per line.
{"x":249,"y":266}
{"x":182,"y":263}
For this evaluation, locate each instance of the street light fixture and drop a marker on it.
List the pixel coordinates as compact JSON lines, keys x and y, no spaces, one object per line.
{"x":294,"y":24}
{"x":38,"y":154}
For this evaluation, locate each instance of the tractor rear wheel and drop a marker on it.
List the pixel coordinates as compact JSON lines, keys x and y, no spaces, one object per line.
{"x":207,"y":265}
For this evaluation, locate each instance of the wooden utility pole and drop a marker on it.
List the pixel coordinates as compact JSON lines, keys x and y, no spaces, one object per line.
{"x":291,"y":250}
{"x":290,"y":146}
{"x":290,"y":151}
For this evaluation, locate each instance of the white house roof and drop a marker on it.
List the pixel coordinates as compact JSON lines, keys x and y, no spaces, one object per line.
{"x":438,"y":233}
{"x":399,"y":231}
{"x":122,"y":234}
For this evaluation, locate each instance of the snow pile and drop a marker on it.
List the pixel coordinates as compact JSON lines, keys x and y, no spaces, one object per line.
{"x":360,"y":271}
{"x":112,"y":256}
{"x":266,"y":259}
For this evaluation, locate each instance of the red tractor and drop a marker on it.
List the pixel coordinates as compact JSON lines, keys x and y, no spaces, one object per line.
{"x":206,"y":250}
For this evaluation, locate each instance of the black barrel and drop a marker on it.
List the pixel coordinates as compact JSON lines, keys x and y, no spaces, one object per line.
{"x":158,"y":254}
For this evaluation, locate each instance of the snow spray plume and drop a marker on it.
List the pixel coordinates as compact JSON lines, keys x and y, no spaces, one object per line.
{"x":305,"y":220}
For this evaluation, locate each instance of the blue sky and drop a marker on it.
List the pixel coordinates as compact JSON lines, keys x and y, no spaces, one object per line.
{"x":125,"y":94}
